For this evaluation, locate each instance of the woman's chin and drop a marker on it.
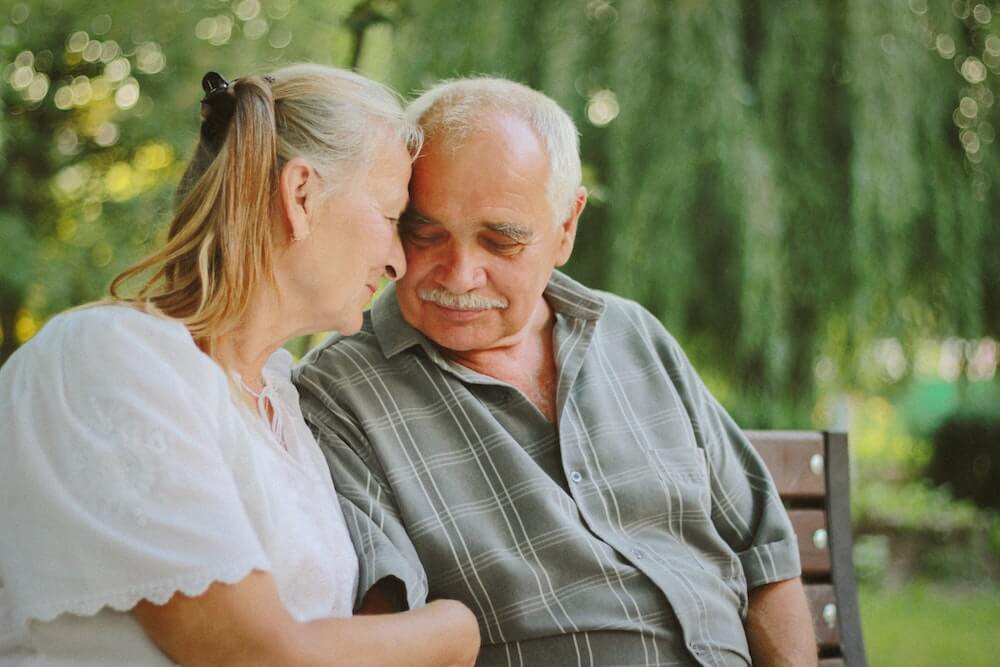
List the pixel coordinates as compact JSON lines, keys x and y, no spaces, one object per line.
{"x":348,"y":326}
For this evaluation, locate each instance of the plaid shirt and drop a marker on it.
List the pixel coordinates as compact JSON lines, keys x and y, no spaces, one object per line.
{"x":626,"y":534}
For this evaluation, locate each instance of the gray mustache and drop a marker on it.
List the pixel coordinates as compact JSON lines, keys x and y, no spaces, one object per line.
{"x":462,"y":301}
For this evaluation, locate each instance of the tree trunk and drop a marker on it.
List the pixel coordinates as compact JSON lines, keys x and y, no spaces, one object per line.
{"x":8,"y":319}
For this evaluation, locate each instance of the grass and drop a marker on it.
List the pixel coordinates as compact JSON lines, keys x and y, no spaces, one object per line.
{"x":924,"y":624}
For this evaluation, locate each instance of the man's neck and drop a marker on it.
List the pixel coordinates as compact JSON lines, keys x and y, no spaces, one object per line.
{"x":517,"y":349}
{"x":525,"y":361}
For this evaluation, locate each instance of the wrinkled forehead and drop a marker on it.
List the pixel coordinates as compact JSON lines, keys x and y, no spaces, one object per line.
{"x":498,"y":174}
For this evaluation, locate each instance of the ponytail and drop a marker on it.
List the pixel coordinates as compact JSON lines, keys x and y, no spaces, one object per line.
{"x":219,"y":244}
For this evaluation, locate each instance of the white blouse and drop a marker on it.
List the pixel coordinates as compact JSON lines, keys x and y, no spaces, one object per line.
{"x":128,"y":472}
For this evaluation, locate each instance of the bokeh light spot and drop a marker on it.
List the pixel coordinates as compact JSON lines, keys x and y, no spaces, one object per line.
{"x":153,"y":156}
{"x":82,"y":90}
{"x":101,"y":24}
{"x":945,"y":45}
{"x":118,"y":69}
{"x":968,"y":107}
{"x":247,"y":10}
{"x":19,"y":13}
{"x":602,"y":108}
{"x":77,"y":42}
{"x":255,"y":29}
{"x":205,"y":28}
{"x":25,"y":326}
{"x":279,"y":9}
{"x":128,"y":94}
{"x":64,"y":98}
{"x":92,"y":52}
{"x":38,"y":88}
{"x":102,"y":253}
{"x":106,"y":135}
{"x":973,"y":70}
{"x":280,"y":37}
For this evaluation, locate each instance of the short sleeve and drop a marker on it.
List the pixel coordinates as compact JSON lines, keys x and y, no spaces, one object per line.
{"x":746,"y":509}
{"x":115,"y":485}
{"x":383,"y":546}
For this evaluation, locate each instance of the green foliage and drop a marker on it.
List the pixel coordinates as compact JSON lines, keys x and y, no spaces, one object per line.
{"x":778,"y":182}
{"x":913,"y":506}
{"x":100,"y":108}
{"x":966,"y":456}
{"x":926,"y":626}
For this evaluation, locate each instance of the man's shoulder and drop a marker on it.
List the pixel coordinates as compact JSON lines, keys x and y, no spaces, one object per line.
{"x":622,"y":311}
{"x":627,"y":324}
{"x":338,"y":354}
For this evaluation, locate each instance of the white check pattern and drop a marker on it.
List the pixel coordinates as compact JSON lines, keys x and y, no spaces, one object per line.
{"x":627,"y":535}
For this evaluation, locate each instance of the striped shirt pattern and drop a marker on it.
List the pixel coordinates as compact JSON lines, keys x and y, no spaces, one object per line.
{"x":628,"y":533}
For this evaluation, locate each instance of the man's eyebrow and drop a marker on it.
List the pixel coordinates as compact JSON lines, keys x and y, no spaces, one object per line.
{"x":519,"y":233}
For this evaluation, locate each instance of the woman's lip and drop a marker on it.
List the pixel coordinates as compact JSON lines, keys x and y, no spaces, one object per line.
{"x":372,"y":288}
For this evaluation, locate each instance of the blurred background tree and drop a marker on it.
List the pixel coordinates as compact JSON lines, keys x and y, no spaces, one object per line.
{"x":801,"y":190}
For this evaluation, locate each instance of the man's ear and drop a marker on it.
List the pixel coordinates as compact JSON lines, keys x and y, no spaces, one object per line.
{"x":296,"y":189}
{"x":567,"y":228}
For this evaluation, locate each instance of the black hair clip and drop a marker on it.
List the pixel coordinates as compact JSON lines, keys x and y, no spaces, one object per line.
{"x":216,"y":110}
{"x":214,"y":83}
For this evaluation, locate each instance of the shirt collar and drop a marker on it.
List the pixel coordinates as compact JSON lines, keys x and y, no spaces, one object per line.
{"x":566,"y":296}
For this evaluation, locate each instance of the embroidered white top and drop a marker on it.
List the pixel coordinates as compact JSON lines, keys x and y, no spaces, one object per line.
{"x":129,"y":472}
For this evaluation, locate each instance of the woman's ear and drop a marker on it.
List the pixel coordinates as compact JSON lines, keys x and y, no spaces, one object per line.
{"x":295,"y":187}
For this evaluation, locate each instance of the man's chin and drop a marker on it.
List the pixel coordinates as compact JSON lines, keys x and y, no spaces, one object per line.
{"x":457,"y":337}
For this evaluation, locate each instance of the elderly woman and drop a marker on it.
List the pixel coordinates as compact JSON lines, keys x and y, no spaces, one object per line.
{"x":163,"y":500}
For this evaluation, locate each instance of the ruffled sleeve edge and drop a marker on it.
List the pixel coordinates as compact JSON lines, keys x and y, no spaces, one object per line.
{"x":158,"y":592}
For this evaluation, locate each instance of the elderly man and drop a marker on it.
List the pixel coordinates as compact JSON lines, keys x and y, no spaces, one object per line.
{"x":545,"y":453}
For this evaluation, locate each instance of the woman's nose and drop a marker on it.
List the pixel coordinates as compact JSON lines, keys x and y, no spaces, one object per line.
{"x":396,"y":267}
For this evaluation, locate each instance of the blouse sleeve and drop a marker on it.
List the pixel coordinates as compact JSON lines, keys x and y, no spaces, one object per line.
{"x":114,"y":486}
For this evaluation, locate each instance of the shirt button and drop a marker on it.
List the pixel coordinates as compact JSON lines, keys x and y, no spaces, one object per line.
{"x":637,"y":553}
{"x":575,"y":477}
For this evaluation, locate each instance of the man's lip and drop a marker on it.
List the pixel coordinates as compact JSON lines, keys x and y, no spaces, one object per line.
{"x":455,"y":314}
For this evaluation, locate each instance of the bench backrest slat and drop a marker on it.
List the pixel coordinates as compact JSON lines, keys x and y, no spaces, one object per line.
{"x":810,"y":469}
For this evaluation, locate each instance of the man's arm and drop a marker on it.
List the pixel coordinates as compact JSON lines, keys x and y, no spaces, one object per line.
{"x":387,"y":596}
{"x":779,"y":626}
{"x":373,"y":518}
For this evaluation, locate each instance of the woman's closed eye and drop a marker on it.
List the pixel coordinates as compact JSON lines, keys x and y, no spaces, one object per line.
{"x":420,"y":232}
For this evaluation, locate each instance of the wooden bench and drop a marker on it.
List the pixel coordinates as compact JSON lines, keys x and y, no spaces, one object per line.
{"x":810,"y":469}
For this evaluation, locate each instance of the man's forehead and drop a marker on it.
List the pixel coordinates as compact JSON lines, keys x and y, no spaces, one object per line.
{"x":498,"y":129}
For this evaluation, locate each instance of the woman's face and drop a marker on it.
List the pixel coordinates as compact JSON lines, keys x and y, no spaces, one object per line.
{"x":353,"y":242}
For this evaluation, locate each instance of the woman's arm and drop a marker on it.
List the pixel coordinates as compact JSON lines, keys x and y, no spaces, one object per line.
{"x":246,"y":624}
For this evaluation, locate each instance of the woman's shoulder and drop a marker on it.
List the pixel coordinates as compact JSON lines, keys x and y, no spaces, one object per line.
{"x":115,"y":320}
{"x":110,"y":343}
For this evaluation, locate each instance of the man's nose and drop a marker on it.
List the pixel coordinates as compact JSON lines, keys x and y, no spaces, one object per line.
{"x":461,"y":272}
{"x":396,"y":266}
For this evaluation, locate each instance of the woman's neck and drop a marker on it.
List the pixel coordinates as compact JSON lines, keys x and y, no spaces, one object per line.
{"x":264,"y":328}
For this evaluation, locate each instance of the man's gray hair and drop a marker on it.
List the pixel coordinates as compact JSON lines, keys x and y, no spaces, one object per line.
{"x":455,"y":109}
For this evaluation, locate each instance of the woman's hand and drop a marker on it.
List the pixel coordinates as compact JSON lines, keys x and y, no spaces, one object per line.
{"x":247,"y":624}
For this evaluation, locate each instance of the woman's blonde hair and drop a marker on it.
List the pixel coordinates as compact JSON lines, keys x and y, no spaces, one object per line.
{"x":219,"y":244}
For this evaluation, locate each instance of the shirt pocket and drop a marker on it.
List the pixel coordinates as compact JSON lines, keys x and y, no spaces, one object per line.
{"x":684,"y":474}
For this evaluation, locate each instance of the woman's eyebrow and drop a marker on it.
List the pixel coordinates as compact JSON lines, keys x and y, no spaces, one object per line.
{"x":413,"y":216}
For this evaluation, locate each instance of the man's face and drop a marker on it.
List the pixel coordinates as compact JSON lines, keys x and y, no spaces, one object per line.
{"x":480,"y":237}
